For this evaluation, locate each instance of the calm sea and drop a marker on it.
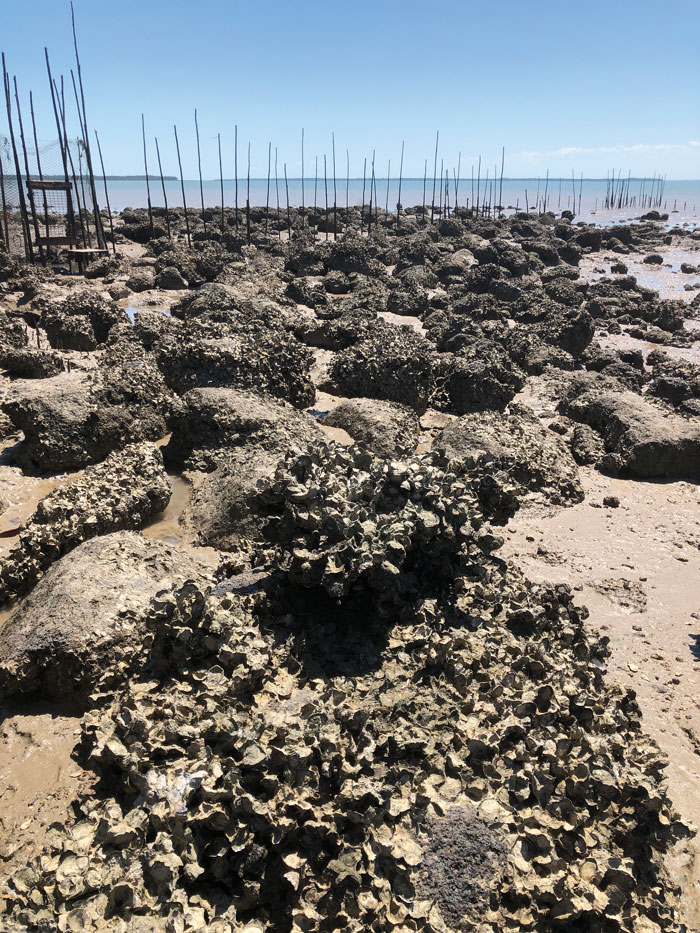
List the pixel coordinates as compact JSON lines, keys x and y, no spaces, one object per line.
{"x":680,"y":196}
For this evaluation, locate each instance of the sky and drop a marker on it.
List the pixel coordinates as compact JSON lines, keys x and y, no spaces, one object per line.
{"x":585,"y":86}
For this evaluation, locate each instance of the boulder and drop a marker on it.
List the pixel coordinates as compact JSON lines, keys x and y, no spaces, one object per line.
{"x":393,"y":363}
{"x":69,"y":422}
{"x":87,"y":619}
{"x":534,"y":458}
{"x":639,"y":438}
{"x":210,"y":421}
{"x":30,"y":362}
{"x":388,"y":429}
{"x":123,"y":492}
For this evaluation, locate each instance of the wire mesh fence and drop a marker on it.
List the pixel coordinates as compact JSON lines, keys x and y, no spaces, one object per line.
{"x":57,"y":211}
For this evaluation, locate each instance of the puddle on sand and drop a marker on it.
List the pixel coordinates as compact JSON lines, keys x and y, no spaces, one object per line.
{"x":166,"y":525}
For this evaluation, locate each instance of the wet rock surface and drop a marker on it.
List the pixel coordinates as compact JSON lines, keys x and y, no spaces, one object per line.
{"x":124,"y":491}
{"x":386,"y":428}
{"x":366,"y":718}
{"x":534,"y":457}
{"x":86,"y":621}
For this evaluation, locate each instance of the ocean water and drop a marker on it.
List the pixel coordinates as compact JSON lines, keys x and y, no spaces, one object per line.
{"x":680,"y":197}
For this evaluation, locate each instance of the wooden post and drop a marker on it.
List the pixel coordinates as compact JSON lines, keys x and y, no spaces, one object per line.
{"x":3,"y":205}
{"x":148,"y":184}
{"x":162,"y":184}
{"x":500,"y":184}
{"x":398,"y":201}
{"x":221,"y":180}
{"x":235,"y":160}
{"x":459,"y":169}
{"x":335,"y":194}
{"x":362,"y":209}
{"x":325,"y":185}
{"x":546,"y":186}
{"x":199,"y":170}
{"x":62,"y":107}
{"x":441,"y":181}
{"x":182,"y":186}
{"x":347,"y":192}
{"x":247,"y":201}
{"x":432,"y":205}
{"x":38,"y":161}
{"x":302,"y":176}
{"x":371,"y":194}
{"x":315,"y":186}
{"x":73,"y":231}
{"x":277,"y":189}
{"x":267,"y":198}
{"x":478,"y":185}
{"x":386,"y":205}
{"x":289,"y":216}
{"x":22,"y":204}
{"x":80,"y":158}
{"x":30,"y":190}
{"x":109,"y":209}
{"x":99,"y":232}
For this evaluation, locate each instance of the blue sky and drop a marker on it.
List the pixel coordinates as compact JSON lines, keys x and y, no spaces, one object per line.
{"x":561,"y":85}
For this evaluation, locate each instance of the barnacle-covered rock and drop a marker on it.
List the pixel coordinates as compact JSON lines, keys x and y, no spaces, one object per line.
{"x":534,"y":458}
{"x":74,"y":419}
{"x":30,"y":362}
{"x":196,"y":353}
{"x":392,"y":363}
{"x":87,"y":620}
{"x":124,"y":491}
{"x":82,"y":321}
{"x":639,"y":438}
{"x":388,"y":429}
{"x":210,"y":421}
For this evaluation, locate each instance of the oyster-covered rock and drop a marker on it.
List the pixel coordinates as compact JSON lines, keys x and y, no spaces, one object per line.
{"x":124,"y":491}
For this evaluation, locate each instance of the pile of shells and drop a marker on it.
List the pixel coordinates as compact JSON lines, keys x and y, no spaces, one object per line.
{"x":279,"y":766}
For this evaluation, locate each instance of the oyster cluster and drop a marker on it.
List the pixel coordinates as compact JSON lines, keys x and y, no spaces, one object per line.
{"x":123,"y":491}
{"x":374,"y":724}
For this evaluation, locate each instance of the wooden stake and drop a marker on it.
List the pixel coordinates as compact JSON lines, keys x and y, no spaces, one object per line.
{"x":398,"y":202}
{"x":109,"y":209}
{"x":3,"y":205}
{"x":72,"y":228}
{"x":277,"y":189}
{"x":267,"y":197}
{"x":335,"y":194}
{"x":162,"y":184}
{"x":302,"y":176}
{"x":87,"y":241}
{"x":500,"y":187}
{"x":86,"y":137}
{"x":30,"y":191}
{"x":235,"y":159}
{"x":38,"y":161}
{"x":221,"y":179}
{"x":386,"y":204}
{"x":199,"y":169}
{"x":182,"y":185}
{"x":362,"y":209}
{"x":289,"y":216}
{"x":22,"y":204}
{"x":432,"y":205}
{"x":459,"y":167}
{"x":145,"y":165}
{"x":247,"y":200}
{"x":325,"y":185}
